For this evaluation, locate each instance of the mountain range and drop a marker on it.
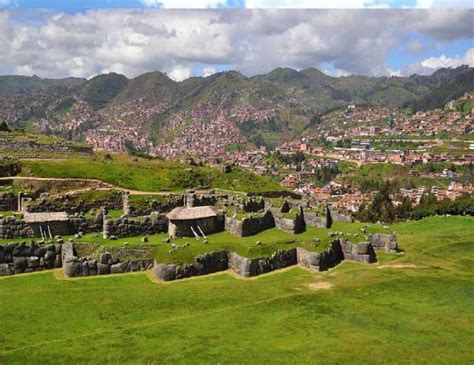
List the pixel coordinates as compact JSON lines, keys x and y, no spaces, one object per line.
{"x":277,"y":104}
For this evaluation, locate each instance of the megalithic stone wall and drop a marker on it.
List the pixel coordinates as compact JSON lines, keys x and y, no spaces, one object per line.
{"x":383,"y":242}
{"x":17,"y":258}
{"x":212,"y":262}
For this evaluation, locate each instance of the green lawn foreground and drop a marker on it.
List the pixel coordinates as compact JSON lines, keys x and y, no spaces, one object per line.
{"x":416,"y":315}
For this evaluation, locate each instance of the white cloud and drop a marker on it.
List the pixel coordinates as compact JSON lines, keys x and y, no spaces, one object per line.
{"x":183,"y":4}
{"x":208,"y":71}
{"x":253,"y":41}
{"x":431,"y":64}
{"x":180,"y":73}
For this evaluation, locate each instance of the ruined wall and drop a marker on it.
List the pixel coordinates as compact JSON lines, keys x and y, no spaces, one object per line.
{"x":247,"y":267}
{"x":320,"y":261}
{"x":207,"y":263}
{"x":87,"y":225}
{"x":126,"y":227}
{"x":74,"y":204}
{"x":9,"y":167}
{"x":362,"y":252}
{"x":291,"y":225}
{"x":107,"y":263}
{"x":249,"y":226}
{"x":314,"y":220}
{"x":8,"y":202}
{"x":341,"y":216}
{"x":16,"y":258}
{"x":383,"y":242}
{"x":11,"y":227}
{"x":208,"y":225}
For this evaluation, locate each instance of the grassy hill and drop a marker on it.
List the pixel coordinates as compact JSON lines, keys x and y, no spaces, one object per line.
{"x":147,"y":175}
{"x":416,"y":307}
{"x":27,"y":85}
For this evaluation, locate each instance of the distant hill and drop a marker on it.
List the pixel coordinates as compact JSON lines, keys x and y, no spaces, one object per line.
{"x":450,"y":88}
{"x":266,"y":109}
{"x":26,"y":85}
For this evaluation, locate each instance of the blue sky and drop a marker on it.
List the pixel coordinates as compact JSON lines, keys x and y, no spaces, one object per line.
{"x":88,"y":38}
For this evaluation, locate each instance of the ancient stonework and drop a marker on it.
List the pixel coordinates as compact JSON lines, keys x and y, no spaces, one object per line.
{"x":247,"y":267}
{"x":204,"y":264}
{"x":17,"y":258}
{"x":249,"y":226}
{"x":338,"y":251}
{"x":383,"y":242}
{"x":11,"y":227}
{"x":107,"y":263}
{"x":8,"y":202}
{"x":291,"y":225}
{"x":126,"y":227}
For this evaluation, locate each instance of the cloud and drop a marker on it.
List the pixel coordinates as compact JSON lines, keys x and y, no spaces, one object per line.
{"x":180,"y":73}
{"x":184,"y":4}
{"x":253,"y":41}
{"x":431,"y":64}
{"x":208,"y":71}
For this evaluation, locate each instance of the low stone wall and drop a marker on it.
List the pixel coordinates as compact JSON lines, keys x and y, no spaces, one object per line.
{"x":295,"y":225}
{"x":204,"y":264}
{"x":321,"y":261}
{"x":74,"y":266}
{"x":10,"y":227}
{"x":247,"y":267}
{"x":16,"y":258}
{"x":383,"y":242}
{"x":8,"y":202}
{"x":9,"y":167}
{"x":314,"y":220}
{"x":340,"y":216}
{"x":338,"y":251}
{"x":362,"y":252}
{"x":87,"y":225}
{"x":126,"y":227}
{"x":74,"y":204}
{"x":249,"y":226}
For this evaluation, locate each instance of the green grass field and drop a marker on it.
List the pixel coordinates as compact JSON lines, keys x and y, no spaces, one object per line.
{"x":148,"y":175}
{"x":419,"y":312}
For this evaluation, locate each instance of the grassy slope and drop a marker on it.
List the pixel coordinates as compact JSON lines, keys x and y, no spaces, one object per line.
{"x":145,"y":175}
{"x":417,"y":315}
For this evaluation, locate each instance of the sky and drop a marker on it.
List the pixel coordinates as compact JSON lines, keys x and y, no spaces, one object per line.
{"x":82,"y":38}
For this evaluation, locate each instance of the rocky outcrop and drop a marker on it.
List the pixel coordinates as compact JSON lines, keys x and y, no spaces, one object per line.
{"x":11,"y":227}
{"x":249,"y":226}
{"x":383,"y":242}
{"x":207,"y":263}
{"x":16,"y":258}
